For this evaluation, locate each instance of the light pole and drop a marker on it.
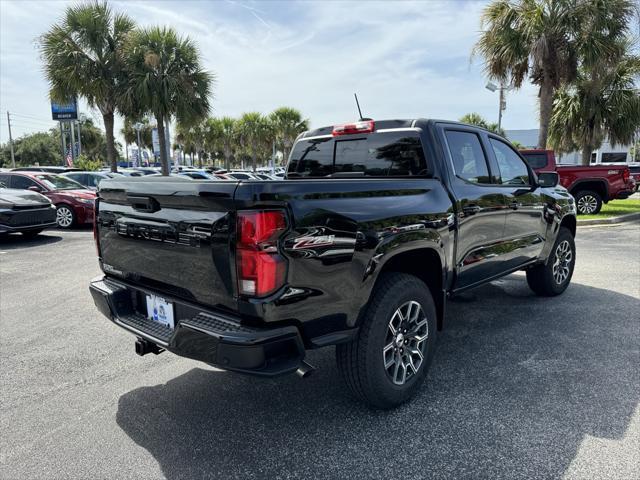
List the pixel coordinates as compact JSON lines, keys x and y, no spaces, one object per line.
{"x":503,"y":102}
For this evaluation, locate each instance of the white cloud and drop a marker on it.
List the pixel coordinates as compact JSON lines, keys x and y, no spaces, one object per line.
{"x":404,"y":59}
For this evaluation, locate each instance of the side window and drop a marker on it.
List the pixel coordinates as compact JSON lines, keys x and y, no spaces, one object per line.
{"x":5,"y":180}
{"x":536,"y":160}
{"x":77,"y":177}
{"x":92,"y":180}
{"x":18,"y":181}
{"x":468,"y":157}
{"x":513,"y":171}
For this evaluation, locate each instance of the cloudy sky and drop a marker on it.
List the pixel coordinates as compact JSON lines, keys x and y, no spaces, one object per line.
{"x":405,"y":59}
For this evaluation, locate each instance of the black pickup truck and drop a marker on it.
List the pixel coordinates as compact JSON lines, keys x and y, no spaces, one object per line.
{"x":375,"y":225}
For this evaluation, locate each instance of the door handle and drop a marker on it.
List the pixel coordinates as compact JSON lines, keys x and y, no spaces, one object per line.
{"x":471,"y":209}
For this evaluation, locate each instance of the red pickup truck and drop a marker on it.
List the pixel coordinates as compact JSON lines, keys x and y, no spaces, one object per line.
{"x":591,"y":186}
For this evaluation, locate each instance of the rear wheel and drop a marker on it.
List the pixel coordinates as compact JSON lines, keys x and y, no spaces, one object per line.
{"x":65,"y":217}
{"x":588,"y":202}
{"x":554,"y":277}
{"x":388,"y":361}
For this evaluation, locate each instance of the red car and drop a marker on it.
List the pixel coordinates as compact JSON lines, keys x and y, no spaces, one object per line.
{"x":590,"y":185}
{"x":74,"y":203}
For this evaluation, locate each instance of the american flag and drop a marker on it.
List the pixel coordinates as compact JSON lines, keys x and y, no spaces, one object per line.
{"x":69,"y":158}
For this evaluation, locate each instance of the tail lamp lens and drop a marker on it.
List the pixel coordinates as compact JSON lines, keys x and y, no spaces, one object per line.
{"x":626,"y":174}
{"x":261,"y":270}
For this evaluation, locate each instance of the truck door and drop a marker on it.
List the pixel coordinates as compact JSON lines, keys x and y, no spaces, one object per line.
{"x":480,"y":207}
{"x":525,"y":227}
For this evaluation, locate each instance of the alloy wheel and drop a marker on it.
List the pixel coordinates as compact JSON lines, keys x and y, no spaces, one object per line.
{"x":405,"y":344}
{"x":64,"y":217}
{"x":587,"y":204}
{"x":562,"y":262}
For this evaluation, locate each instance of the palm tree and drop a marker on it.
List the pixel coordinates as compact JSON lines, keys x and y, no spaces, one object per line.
{"x":477,"y":119}
{"x":82,"y":57}
{"x":223,"y":134}
{"x":130,"y":133}
{"x":255,"y":131}
{"x":546,"y":41}
{"x":474,"y":119}
{"x":288,"y":124}
{"x":603,"y":102}
{"x":166,"y":79}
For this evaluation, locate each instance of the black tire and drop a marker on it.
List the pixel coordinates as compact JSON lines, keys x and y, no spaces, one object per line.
{"x":588,"y":202}
{"x":542,"y":279}
{"x":362,"y":361}
{"x":31,"y":233}
{"x":65,"y":216}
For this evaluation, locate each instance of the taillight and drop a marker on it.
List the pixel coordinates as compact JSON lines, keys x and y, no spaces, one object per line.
{"x":626,"y":173}
{"x":261,"y":270}
{"x":363,"y":126}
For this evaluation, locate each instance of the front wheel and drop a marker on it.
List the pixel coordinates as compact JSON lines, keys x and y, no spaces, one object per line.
{"x":588,"y":202}
{"x":388,"y":361}
{"x":554,"y":277}
{"x":65,"y":217}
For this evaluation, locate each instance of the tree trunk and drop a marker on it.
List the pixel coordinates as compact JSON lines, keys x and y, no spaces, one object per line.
{"x":164,"y":159}
{"x":546,"y":108}
{"x":112,"y":158}
{"x":227,"y":158}
{"x":254,"y":157}
{"x":587,"y":149}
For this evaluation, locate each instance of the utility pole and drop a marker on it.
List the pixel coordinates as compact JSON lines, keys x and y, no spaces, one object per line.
{"x":502,"y":106}
{"x":13,"y":157}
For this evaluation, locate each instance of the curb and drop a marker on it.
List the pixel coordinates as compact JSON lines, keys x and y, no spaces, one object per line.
{"x":611,"y":220}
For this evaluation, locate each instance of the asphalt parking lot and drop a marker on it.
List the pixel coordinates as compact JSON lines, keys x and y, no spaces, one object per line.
{"x":521,"y":387}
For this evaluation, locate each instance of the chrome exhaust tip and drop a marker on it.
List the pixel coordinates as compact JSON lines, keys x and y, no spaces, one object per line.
{"x":305,"y":370}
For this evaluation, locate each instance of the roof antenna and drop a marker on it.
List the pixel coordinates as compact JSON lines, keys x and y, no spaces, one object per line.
{"x":359,"y":111}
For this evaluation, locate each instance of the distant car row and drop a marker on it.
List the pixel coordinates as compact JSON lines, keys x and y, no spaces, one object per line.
{"x":35,"y":198}
{"x":41,"y":193}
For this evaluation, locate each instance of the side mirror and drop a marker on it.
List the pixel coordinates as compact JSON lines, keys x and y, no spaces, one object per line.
{"x":548,"y":179}
{"x":33,"y":188}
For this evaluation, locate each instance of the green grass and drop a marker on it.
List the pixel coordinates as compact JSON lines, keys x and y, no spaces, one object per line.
{"x":615,"y":208}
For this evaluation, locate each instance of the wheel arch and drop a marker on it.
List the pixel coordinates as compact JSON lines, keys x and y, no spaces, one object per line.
{"x":598,"y":186}
{"x":570,"y":222}
{"x":427,"y":265}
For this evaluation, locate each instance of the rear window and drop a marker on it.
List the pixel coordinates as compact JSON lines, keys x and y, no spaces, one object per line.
{"x":377,"y":154}
{"x":617,"y":157}
{"x":535,"y":160}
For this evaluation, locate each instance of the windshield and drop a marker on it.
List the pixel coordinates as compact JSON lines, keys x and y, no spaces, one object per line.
{"x":56,"y":182}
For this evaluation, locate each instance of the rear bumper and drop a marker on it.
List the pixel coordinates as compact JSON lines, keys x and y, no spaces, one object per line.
{"x":204,"y":335}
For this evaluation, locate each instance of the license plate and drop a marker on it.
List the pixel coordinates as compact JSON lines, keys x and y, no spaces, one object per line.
{"x":159,"y":310}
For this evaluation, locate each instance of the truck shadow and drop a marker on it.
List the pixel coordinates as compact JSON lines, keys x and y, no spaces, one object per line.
{"x":517,"y":384}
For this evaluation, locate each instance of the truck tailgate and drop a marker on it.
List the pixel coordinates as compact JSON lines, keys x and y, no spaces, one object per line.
{"x":169,"y":235}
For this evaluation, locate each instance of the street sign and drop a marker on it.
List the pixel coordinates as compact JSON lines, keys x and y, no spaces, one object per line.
{"x":64,"y":111}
